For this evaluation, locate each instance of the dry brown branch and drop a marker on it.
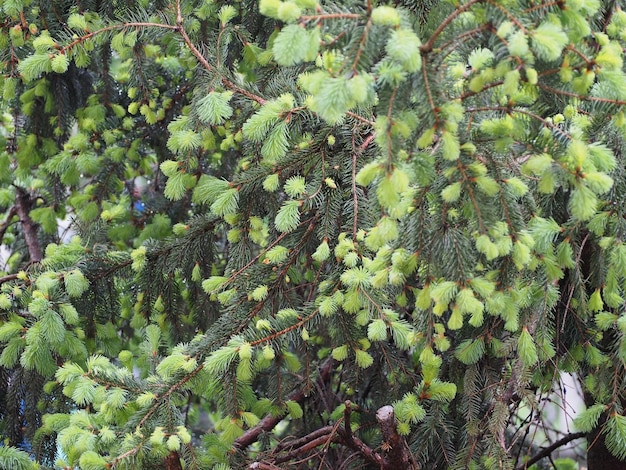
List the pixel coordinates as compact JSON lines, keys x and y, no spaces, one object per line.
{"x":23,"y":204}
{"x":398,"y":452}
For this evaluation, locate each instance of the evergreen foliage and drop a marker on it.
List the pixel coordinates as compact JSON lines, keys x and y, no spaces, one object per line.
{"x":302,"y":234}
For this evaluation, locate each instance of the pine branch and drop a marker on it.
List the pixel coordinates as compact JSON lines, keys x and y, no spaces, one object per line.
{"x":428,"y":46}
{"x":114,"y":27}
{"x":205,"y":63}
{"x":8,"y":277}
{"x":354,"y":442}
{"x":548,"y":450}
{"x":270,"y":421}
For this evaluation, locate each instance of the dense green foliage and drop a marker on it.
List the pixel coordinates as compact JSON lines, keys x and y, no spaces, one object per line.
{"x":239,"y":232}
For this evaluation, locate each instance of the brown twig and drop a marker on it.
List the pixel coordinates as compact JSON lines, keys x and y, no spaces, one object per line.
{"x":8,"y":277}
{"x":205,"y":63}
{"x":428,"y":45}
{"x":8,"y":222}
{"x":270,"y":421}
{"x":551,"y":448}
{"x":299,"y":442}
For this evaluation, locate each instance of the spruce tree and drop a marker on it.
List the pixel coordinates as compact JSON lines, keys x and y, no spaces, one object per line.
{"x":302,"y":234}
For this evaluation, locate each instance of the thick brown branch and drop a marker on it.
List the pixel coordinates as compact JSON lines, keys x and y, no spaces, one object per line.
{"x":295,"y":448}
{"x":366,"y":451}
{"x":8,"y":277}
{"x":23,"y":204}
{"x":398,"y":452}
{"x":353,"y":442}
{"x":551,"y":448}
{"x":293,"y":443}
{"x":172,"y":461}
{"x":309,"y":446}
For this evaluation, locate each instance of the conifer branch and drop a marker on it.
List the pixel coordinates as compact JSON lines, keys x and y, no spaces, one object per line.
{"x":363,"y":39}
{"x":429,"y":94}
{"x":511,"y":110}
{"x":350,"y":440}
{"x":355,"y":199}
{"x":125,"y":455}
{"x":486,"y":87}
{"x":177,"y":28}
{"x":512,"y":18}
{"x":589,"y":63}
{"x":472,"y":197}
{"x":544,"y":5}
{"x":114,"y":27}
{"x":270,"y":421}
{"x":428,"y":45}
{"x":551,"y":448}
{"x":360,"y":118}
{"x":464,"y":36}
{"x":8,"y":278}
{"x":598,"y":99}
{"x":284,"y":331}
{"x":205,"y":63}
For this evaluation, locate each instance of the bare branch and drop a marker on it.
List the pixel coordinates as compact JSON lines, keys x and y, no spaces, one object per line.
{"x":398,"y":452}
{"x":23,"y":204}
{"x":8,"y":277}
{"x":8,"y":222}
{"x":551,"y":448}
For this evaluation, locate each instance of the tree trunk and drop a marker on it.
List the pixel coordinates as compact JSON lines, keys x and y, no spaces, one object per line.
{"x":172,"y":461}
{"x":598,"y":456}
{"x":23,"y":205}
{"x":398,"y":452}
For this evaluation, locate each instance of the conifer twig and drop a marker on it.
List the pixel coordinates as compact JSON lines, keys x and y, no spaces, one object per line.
{"x":551,"y":448}
{"x":428,"y":45}
{"x":270,"y":421}
{"x":205,"y":63}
